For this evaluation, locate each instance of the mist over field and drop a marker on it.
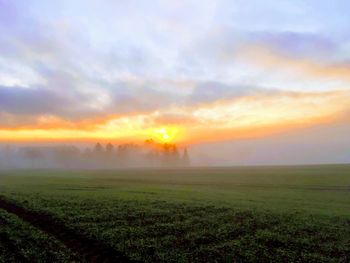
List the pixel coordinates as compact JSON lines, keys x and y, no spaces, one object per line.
{"x":100,"y":156}
{"x":174,"y":131}
{"x":313,"y":145}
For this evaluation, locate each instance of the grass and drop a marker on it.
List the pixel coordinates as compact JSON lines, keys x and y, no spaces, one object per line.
{"x":243,"y":214}
{"x":20,"y":242}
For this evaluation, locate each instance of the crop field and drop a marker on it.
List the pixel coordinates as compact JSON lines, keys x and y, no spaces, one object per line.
{"x":21,"y":242}
{"x":241,"y":214}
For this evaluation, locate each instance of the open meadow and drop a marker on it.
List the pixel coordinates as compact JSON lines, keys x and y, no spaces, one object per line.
{"x":175,"y":131}
{"x":240,"y":214}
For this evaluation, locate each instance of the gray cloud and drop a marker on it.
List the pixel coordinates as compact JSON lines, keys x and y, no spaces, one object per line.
{"x":296,"y":44}
{"x":206,"y":92}
{"x":18,"y":100}
{"x":72,"y":104}
{"x":128,"y":97}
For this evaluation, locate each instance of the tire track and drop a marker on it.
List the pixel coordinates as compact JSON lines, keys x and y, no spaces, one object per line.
{"x":87,"y":249}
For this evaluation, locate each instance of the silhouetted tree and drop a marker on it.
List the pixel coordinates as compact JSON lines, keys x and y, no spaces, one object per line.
{"x":170,"y":155}
{"x":109,"y":148}
{"x":149,"y":142}
{"x":33,"y":155}
{"x":8,"y":155}
{"x":185,"y":158}
{"x":109,"y":159}
{"x":126,"y":155}
{"x":175,"y":153}
{"x":98,"y":148}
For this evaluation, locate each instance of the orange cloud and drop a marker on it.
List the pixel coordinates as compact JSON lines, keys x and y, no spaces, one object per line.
{"x":255,"y":115}
{"x":266,"y":58}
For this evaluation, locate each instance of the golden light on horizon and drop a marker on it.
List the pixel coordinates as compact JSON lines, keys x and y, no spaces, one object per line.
{"x":166,"y":134}
{"x":253,"y":115}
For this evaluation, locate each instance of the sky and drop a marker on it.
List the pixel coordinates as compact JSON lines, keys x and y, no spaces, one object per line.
{"x":232,"y":75}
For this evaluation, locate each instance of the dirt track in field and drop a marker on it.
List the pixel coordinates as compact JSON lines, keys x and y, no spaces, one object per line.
{"x":86,"y":249}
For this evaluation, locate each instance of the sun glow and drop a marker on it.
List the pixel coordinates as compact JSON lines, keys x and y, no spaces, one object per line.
{"x":166,"y":134}
{"x":255,"y":115}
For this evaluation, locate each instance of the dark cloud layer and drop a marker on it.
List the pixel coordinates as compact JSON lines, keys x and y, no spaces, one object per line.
{"x":19,"y":100}
{"x":70,"y":104}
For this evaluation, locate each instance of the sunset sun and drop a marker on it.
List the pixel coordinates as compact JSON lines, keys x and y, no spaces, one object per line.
{"x":166,"y":134}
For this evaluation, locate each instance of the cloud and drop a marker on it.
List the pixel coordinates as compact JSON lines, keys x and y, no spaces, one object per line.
{"x":272,"y":60}
{"x":109,"y":68}
{"x":211,"y":91}
{"x":64,"y":101}
{"x":19,"y":100}
{"x":295,"y":44}
{"x":259,"y":114}
{"x":181,"y":119}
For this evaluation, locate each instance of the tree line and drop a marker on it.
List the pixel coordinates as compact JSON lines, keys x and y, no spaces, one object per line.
{"x":102,"y":156}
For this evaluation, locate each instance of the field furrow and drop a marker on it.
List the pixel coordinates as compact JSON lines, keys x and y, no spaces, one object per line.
{"x":87,"y":250}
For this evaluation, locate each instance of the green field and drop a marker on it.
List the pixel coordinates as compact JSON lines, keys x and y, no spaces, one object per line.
{"x":22,"y":242}
{"x":243,"y":214}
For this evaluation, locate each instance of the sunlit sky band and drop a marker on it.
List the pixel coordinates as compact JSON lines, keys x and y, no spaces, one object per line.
{"x":184,"y":71}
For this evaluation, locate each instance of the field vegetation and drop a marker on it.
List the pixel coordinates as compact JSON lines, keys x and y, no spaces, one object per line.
{"x":244,"y":214}
{"x":21,"y":242}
